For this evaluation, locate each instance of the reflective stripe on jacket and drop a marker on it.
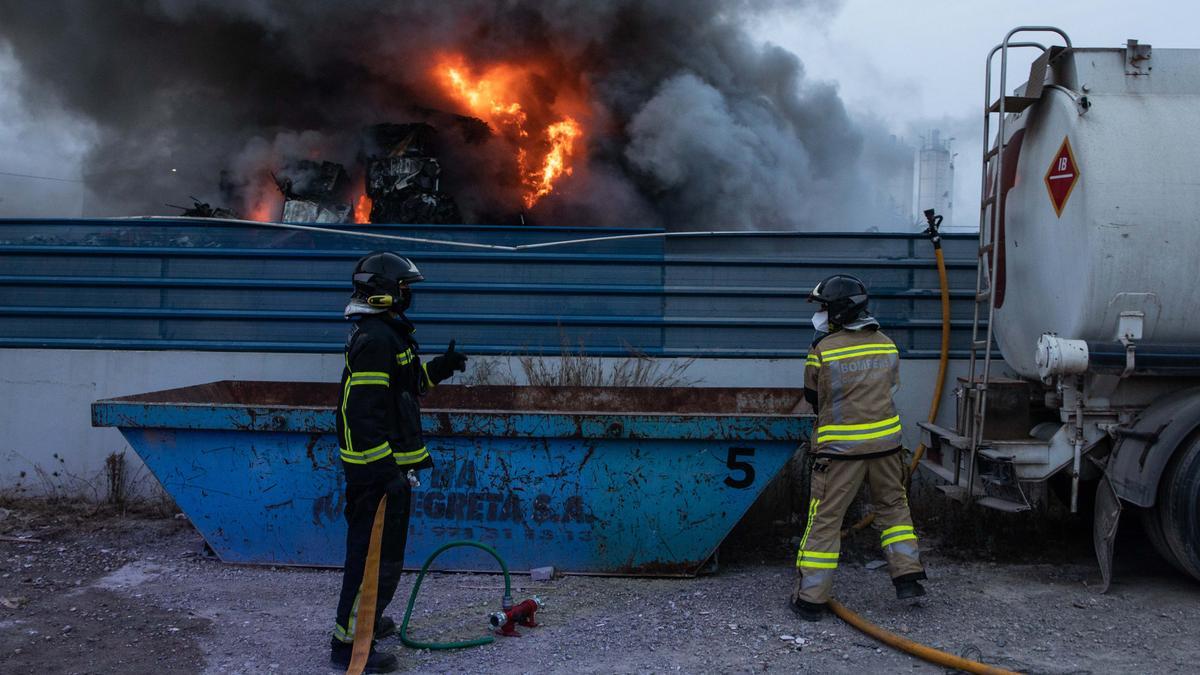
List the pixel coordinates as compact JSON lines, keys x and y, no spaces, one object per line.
{"x":855,"y":374}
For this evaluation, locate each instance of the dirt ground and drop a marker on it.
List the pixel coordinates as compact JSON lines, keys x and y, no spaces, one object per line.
{"x":99,"y":592}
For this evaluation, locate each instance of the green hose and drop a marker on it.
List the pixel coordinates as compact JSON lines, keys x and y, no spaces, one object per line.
{"x":412,"y":599}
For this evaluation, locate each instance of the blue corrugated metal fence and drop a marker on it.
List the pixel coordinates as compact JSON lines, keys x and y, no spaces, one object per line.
{"x":206,"y":285}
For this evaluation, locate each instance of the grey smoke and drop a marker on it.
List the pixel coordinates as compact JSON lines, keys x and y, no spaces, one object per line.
{"x":694,"y":124}
{"x":732,"y":162}
{"x":39,"y":153}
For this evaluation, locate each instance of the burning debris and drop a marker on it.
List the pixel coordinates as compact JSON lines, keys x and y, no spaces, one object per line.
{"x":314,"y":192}
{"x":398,"y":182}
{"x":403,"y":177}
{"x":200,"y":209}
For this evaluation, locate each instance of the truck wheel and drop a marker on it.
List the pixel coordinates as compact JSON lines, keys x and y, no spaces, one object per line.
{"x":1178,"y":507}
{"x":1152,"y":526}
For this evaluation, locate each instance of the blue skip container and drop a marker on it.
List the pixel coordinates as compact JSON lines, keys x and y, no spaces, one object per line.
{"x":630,"y":481}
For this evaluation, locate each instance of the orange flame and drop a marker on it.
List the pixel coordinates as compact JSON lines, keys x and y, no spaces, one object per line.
{"x":561,"y":136}
{"x":262,"y":201}
{"x":362,"y":210}
{"x":493,"y":97}
{"x":263,"y":207}
{"x":485,"y":97}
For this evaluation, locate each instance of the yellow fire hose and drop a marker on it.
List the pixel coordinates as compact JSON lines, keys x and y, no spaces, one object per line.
{"x":916,"y":649}
{"x":846,"y":614}
{"x":364,"y":627}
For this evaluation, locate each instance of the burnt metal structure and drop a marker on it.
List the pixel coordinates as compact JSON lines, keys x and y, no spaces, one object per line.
{"x":314,"y":192}
{"x":404,"y":176}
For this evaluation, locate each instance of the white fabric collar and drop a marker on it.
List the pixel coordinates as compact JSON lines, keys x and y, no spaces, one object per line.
{"x":863,"y":322}
{"x":358,"y":307}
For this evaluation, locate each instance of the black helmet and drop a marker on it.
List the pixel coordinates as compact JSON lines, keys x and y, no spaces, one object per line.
{"x":844,"y":296}
{"x":381,"y":279}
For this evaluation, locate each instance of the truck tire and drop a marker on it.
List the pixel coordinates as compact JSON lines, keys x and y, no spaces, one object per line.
{"x":1177,"y":509}
{"x":1152,"y":526}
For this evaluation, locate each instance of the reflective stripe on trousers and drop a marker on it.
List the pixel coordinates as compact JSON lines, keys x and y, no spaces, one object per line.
{"x":347,"y":634}
{"x":826,"y":560}
{"x":896,"y":534}
{"x":814,"y":559}
{"x":899,"y":544}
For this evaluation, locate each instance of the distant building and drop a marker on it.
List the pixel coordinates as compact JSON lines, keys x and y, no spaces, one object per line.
{"x":935,"y":189}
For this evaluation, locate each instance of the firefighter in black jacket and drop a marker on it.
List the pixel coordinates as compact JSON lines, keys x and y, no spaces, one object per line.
{"x":379,"y":435}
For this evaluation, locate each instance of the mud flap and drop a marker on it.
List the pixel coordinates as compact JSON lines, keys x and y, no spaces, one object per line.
{"x":1104,"y":529}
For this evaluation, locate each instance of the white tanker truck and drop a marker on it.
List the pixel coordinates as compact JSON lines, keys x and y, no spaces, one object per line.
{"x":1088,"y":285}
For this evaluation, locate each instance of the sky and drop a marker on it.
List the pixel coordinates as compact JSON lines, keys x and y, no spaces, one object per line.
{"x":918,"y":65}
{"x":909,"y":65}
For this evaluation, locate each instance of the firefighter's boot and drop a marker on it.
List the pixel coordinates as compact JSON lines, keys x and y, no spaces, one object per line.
{"x":809,"y":611}
{"x":385,"y":628}
{"x":340,"y":654}
{"x":909,"y":588}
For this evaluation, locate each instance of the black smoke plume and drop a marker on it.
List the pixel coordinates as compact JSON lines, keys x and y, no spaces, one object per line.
{"x":692,"y":124}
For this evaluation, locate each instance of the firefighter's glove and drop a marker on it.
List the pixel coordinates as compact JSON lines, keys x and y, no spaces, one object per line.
{"x":399,"y":486}
{"x":444,"y":366}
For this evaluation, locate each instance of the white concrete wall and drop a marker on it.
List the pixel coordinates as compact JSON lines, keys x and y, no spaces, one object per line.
{"x":47,"y":443}
{"x":48,"y":446}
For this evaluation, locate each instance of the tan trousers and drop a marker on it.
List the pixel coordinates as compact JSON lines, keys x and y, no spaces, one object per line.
{"x":834,"y":486}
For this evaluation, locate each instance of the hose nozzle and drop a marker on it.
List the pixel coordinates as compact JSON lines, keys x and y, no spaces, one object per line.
{"x":934,"y":229}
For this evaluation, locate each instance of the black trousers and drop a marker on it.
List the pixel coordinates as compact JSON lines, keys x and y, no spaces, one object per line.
{"x":361,"y":504}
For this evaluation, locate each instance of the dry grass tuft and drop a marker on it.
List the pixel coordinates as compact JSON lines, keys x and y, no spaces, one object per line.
{"x":574,"y":367}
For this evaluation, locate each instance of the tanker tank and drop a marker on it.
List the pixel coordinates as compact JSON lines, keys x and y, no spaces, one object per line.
{"x":1085,"y":282}
{"x":1100,"y":215}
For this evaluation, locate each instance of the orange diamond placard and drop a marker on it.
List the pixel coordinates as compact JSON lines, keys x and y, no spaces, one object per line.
{"x":1062,"y":177}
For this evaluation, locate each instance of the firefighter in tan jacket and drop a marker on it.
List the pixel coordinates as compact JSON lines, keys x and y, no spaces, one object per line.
{"x":850,"y":377}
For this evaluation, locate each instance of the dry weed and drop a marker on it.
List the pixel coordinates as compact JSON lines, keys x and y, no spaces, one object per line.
{"x":574,"y":367}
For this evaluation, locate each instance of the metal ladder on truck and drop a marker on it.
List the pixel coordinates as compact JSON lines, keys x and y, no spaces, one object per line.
{"x":969,"y":441}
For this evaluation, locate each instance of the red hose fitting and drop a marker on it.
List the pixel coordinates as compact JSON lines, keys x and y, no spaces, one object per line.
{"x":522,"y":613}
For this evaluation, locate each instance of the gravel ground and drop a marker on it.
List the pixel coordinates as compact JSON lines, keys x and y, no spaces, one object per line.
{"x":102,"y":593}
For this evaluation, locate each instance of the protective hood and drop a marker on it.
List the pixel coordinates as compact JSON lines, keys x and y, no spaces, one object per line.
{"x":357,"y":307}
{"x":862,"y":322}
